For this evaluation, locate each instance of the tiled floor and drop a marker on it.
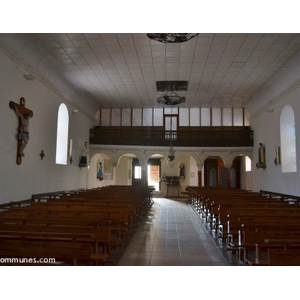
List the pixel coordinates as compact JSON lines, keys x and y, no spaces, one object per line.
{"x":171,"y":235}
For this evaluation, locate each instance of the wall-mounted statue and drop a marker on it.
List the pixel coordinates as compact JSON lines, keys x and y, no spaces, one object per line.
{"x":181,"y":173}
{"x":84,"y":154}
{"x":24,"y":114}
{"x":261,"y":157}
{"x":100,"y":172}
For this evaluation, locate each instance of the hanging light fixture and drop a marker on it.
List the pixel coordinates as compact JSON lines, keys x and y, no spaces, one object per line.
{"x":171,"y":37}
{"x":171,"y":98}
{"x":171,"y":155}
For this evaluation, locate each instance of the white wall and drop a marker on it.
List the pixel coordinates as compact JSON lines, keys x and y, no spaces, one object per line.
{"x":123,"y":170}
{"x":19,"y":182}
{"x":266,"y":128}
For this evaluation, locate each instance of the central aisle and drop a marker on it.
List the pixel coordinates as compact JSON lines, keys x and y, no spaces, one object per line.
{"x":171,"y":235}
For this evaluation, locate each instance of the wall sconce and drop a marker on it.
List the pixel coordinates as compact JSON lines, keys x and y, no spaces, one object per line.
{"x":29,"y":77}
{"x":277,"y":160}
{"x":42,"y":154}
{"x":70,"y":147}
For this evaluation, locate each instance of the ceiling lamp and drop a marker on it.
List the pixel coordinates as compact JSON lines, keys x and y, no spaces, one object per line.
{"x":171,"y":37}
{"x":171,"y":98}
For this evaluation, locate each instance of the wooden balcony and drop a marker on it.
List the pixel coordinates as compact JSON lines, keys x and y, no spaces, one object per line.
{"x":210,"y":136}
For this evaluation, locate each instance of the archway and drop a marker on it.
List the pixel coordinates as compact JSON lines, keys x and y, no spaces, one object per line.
{"x":219,"y":174}
{"x":117,"y":167}
{"x":154,"y":173}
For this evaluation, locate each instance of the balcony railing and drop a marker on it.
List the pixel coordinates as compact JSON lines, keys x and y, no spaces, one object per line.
{"x":223,"y":136}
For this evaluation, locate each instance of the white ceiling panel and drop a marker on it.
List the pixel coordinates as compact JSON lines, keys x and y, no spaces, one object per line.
{"x":223,"y":70}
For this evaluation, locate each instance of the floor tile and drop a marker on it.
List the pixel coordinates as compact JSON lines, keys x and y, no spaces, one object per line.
{"x":171,"y":235}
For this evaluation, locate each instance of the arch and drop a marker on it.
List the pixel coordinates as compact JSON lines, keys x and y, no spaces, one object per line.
{"x":187,"y":153}
{"x":136,"y":154}
{"x":225,"y":159}
{"x":162,"y":153}
{"x":240,"y":153}
{"x":62,"y":135}
{"x":116,"y":156}
{"x":288,"y":140}
{"x":98,"y":151}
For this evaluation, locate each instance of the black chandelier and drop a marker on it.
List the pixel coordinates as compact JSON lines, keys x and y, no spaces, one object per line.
{"x":171,"y":98}
{"x":171,"y":37}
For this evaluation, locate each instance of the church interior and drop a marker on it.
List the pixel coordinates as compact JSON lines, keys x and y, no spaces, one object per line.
{"x":144,"y":149}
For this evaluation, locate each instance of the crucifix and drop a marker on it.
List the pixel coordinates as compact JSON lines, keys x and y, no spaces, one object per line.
{"x":24,"y":114}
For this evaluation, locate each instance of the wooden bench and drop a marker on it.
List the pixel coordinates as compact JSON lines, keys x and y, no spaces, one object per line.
{"x":283,"y":197}
{"x":117,"y":222}
{"x":284,"y":257}
{"x":233,"y":212}
{"x":251,"y":244}
{"x":71,"y":252}
{"x":96,"y":236}
{"x":90,"y":218}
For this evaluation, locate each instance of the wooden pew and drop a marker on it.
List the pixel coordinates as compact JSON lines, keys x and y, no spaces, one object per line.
{"x":70,"y":252}
{"x":283,"y":197}
{"x":251,"y":245}
{"x":284,"y":257}
{"x":80,"y":217}
{"x":232,"y":212}
{"x":120,"y":217}
{"x":65,"y":209}
{"x":96,"y":236}
{"x":118,"y":223}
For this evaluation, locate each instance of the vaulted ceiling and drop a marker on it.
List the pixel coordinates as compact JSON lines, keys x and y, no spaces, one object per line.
{"x":120,"y":70}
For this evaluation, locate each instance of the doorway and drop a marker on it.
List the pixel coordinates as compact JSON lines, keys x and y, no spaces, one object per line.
{"x":151,"y":177}
{"x":154,"y":173}
{"x":217,"y":175}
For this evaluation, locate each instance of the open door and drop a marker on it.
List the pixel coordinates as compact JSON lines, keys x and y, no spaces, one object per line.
{"x":154,"y":173}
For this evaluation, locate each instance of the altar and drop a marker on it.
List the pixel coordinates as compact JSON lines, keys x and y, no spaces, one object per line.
{"x":172,"y":182}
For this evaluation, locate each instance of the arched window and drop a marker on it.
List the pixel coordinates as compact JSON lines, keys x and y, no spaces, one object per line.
{"x":62,"y":135}
{"x":288,"y":140}
{"x":247,"y":164}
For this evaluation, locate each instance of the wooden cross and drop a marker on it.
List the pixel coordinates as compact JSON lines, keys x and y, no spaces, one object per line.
{"x":23,"y":114}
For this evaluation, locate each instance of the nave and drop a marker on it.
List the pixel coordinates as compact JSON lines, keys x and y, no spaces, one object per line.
{"x":171,"y":234}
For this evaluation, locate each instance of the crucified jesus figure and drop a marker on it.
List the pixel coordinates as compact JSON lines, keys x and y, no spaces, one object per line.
{"x":24,"y":114}
{"x":23,"y":130}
